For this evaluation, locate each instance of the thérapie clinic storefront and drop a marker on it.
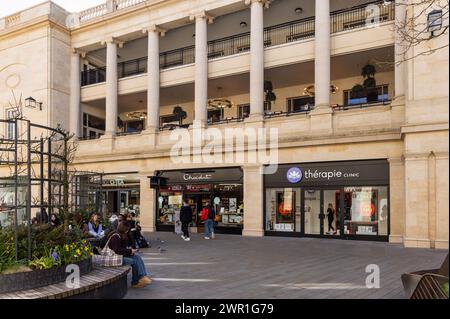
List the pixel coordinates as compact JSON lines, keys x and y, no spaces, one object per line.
{"x":222,"y":188}
{"x":328,"y":199}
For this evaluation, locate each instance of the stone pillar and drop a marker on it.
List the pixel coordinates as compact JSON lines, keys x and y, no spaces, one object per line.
{"x":111,"y":86}
{"x":322,"y":69}
{"x":253,"y":201}
{"x":417,"y":220}
{"x":153,"y":78}
{"x":148,"y":204}
{"x":322,"y":115}
{"x":396,"y":200}
{"x":442,"y":211}
{"x":400,"y":63}
{"x":75,"y":94}
{"x":201,"y":66}
{"x":256,"y":60}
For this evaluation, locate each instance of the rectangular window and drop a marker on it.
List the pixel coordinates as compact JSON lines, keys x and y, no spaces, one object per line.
{"x":93,"y":127}
{"x":10,"y":127}
{"x":300,"y":104}
{"x":134,"y":126}
{"x":283,"y":209}
{"x":366,"y":210}
{"x":243,"y":111}
{"x":215,"y":115}
{"x":382,"y":96}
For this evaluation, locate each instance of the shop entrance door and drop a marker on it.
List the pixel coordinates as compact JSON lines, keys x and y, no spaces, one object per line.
{"x":197,"y":201}
{"x":321,"y":212}
{"x":312,"y":212}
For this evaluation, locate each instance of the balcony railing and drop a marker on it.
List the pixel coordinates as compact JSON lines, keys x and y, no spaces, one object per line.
{"x":107,"y":7}
{"x":342,"y":20}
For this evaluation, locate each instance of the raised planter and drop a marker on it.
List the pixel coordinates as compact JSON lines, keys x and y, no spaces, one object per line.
{"x":40,"y":278}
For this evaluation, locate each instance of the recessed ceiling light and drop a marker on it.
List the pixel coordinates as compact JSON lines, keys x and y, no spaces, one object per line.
{"x":243,"y":24}
{"x":299,"y":10}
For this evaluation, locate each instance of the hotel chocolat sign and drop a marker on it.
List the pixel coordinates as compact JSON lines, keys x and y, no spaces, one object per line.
{"x":375,"y":172}
{"x":197,"y":177}
{"x":203,"y":176}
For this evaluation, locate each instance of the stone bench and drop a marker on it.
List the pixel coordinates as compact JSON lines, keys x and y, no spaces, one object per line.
{"x":102,"y":282}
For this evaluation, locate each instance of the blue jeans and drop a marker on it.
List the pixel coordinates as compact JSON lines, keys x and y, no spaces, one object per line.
{"x":137,"y":267}
{"x":209,"y":227}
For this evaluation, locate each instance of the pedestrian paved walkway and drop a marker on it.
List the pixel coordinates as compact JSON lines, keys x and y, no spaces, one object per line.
{"x":232,"y":266}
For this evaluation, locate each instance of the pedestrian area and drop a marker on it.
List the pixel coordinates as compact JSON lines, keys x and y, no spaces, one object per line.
{"x":232,"y":266}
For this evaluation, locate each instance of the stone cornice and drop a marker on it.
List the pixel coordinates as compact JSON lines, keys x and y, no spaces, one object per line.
{"x":424,"y":127}
{"x":284,"y":143}
{"x":43,"y":21}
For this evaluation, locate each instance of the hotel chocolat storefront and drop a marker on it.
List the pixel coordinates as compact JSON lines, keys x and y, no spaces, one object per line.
{"x":221,"y":187}
{"x":348,"y":200}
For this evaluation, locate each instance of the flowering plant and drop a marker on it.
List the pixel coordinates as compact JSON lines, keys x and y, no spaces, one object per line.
{"x":74,"y":252}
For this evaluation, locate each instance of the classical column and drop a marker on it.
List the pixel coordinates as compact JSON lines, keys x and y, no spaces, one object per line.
{"x":111,"y":86}
{"x":256,"y":58}
{"x":400,"y":75}
{"x":148,"y":203}
{"x":75,"y":93}
{"x":153,"y":78}
{"x":201,"y":66}
{"x":322,"y":55}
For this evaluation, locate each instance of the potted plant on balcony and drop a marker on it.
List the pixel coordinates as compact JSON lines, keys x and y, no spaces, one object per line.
{"x":370,"y":84}
{"x":368,"y":89}
{"x":269,"y":95}
{"x":179,"y":113}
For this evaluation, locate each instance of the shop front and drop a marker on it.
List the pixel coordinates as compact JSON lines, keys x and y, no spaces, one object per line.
{"x":121,"y":193}
{"x":348,"y":200}
{"x":222,"y":188}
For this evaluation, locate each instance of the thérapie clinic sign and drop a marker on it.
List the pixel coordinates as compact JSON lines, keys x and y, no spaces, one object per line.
{"x":330,"y":174}
{"x":295,"y":175}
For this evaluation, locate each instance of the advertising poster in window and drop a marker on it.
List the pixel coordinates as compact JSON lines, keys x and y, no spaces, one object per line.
{"x":285,"y":207}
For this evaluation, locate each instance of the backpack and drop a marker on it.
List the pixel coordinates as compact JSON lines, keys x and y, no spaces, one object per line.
{"x":204,"y":214}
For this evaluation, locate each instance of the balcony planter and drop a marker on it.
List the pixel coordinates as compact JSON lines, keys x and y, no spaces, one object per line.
{"x":39,"y":278}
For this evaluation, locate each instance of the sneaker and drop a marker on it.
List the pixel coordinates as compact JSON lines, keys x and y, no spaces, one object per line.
{"x":207,"y":238}
{"x":144,"y":281}
{"x":212,"y":235}
{"x":187,"y":239}
{"x":182,"y":236}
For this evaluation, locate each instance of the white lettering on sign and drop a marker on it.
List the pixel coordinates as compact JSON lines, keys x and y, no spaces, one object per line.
{"x":197,"y":177}
{"x":334,"y":174}
{"x":114,"y":182}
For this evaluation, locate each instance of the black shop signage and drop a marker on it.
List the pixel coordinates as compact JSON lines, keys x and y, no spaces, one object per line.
{"x":203,"y":176}
{"x":352,"y":173}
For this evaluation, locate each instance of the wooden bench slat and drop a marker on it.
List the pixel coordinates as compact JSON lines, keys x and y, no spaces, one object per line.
{"x":98,"y":278}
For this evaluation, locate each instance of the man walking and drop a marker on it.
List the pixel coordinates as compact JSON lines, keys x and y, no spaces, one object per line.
{"x":209,"y":222}
{"x":185,"y":218}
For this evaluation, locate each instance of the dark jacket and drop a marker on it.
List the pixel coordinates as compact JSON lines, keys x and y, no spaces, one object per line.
{"x":211,"y":213}
{"x":186,"y":214}
{"x":119,"y":245}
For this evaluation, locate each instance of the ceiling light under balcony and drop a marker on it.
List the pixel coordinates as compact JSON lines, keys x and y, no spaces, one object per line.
{"x":137,"y":115}
{"x":219,"y":103}
{"x":309,"y":90}
{"x":298,"y":10}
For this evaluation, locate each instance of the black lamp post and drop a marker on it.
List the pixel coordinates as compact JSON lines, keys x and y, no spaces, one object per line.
{"x":434,"y":21}
{"x":32,"y":103}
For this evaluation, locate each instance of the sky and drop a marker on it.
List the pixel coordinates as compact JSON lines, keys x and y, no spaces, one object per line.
{"x":8,"y":7}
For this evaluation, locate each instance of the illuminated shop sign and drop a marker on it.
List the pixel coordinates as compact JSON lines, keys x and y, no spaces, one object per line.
{"x":352,"y":173}
{"x":197,"y":177}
